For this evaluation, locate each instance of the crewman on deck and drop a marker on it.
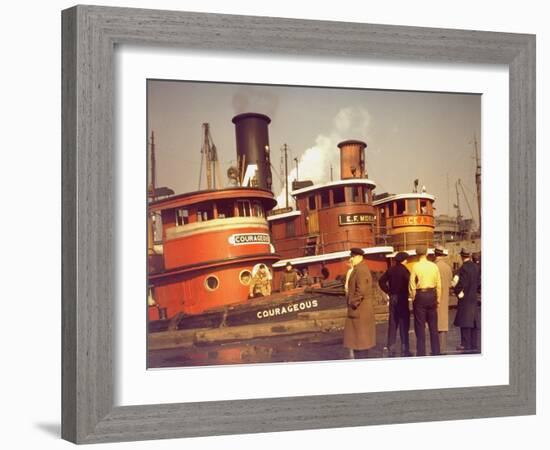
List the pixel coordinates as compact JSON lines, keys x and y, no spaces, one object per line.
{"x":395,"y":283}
{"x":260,"y":286}
{"x":425,"y":290}
{"x":289,"y":278}
{"x":305,"y":279}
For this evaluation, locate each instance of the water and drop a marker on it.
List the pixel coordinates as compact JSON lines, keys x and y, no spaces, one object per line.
{"x":305,"y":347}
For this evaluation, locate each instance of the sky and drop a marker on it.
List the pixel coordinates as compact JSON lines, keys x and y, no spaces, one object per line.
{"x":409,"y":135}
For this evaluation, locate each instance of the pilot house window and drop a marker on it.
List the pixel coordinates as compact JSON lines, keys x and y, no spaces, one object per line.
{"x":325,"y":198}
{"x":368,"y":195}
{"x":423,"y":207}
{"x":204,"y":213}
{"x":244,"y":208}
{"x":400,"y":207}
{"x":339,"y":195}
{"x":182,"y":216}
{"x":412,"y":206}
{"x":257,"y":209}
{"x":311,"y":202}
{"x":354,"y":194}
{"x":225,"y":210}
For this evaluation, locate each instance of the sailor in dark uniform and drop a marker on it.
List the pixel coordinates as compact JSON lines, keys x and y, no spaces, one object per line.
{"x":395,"y":283}
{"x":467,"y":283}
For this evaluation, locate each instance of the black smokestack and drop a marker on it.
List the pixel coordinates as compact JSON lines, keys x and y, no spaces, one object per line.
{"x":253,"y":146}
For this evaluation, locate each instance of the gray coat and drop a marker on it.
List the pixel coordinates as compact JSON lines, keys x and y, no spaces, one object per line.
{"x":360,"y":325}
{"x":443,"y":308}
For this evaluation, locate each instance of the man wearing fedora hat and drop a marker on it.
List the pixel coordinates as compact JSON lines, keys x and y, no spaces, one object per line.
{"x":443,"y":308}
{"x":360,"y":325}
{"x":395,"y":283}
{"x":466,"y":286}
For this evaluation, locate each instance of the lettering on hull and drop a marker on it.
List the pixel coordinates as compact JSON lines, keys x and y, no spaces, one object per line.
{"x":249,"y":238}
{"x":287,"y":309}
{"x":413,"y":220}
{"x":355,"y":219}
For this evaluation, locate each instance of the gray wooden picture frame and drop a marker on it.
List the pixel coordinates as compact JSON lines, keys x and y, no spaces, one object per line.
{"x":89,"y":35}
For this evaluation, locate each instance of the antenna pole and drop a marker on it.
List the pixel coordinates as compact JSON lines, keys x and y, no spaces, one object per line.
{"x":285,"y":150}
{"x":448,"y":196}
{"x":458,"y":214}
{"x":153,"y":168}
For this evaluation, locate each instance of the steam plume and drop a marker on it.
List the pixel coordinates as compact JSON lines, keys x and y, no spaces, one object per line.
{"x":314,"y":162}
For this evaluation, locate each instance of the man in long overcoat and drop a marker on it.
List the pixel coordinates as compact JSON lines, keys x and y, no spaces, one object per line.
{"x":466,"y":285}
{"x":443,"y":307}
{"x":360,"y":325}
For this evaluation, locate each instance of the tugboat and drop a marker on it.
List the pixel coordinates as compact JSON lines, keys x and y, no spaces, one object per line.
{"x":329,"y":219}
{"x":213,"y":238}
{"x":408,"y":219}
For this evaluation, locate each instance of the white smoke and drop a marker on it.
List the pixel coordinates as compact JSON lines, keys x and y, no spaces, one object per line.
{"x":315,"y":162}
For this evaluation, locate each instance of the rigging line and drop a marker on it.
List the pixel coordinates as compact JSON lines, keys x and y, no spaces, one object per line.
{"x":276,"y":172}
{"x":381,"y":185}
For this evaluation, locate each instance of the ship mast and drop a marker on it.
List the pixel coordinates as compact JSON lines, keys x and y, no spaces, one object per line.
{"x":153,"y":185}
{"x":457,"y":206}
{"x":285,"y":151}
{"x":153,"y":197}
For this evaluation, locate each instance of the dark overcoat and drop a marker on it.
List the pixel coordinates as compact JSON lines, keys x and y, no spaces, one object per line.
{"x":469,"y":282}
{"x":360,"y":325}
{"x":395,"y":281}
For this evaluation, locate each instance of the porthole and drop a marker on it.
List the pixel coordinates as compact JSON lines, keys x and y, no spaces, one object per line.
{"x":245,"y":277}
{"x":212,"y":283}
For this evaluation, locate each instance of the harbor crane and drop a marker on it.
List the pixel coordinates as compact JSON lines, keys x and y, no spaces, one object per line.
{"x":209,"y":156}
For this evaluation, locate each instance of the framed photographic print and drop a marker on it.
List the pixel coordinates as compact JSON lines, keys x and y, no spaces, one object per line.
{"x":282,"y":203}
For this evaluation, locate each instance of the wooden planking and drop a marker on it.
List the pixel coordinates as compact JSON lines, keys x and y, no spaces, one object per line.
{"x":88,"y":206}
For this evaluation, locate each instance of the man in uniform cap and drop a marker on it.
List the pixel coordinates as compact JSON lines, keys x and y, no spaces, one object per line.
{"x":466,"y":286}
{"x":360,"y":325}
{"x":395,"y":283}
{"x":425,"y":290}
{"x":443,"y":308}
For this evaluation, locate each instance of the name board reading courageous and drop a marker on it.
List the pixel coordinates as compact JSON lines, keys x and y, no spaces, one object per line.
{"x":249,"y":238}
{"x":287,"y":309}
